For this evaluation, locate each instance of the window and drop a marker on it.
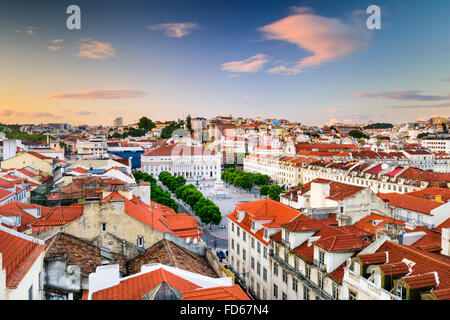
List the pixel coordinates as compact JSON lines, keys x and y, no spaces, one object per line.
{"x":305,"y":293}
{"x":296,"y":263}
{"x":30,"y":293}
{"x":308,"y":271}
{"x":400,"y":291}
{"x":238,"y":248}
{"x":320,"y":281}
{"x":252,"y":263}
{"x":140,"y":242}
{"x":253,"y":242}
{"x":335,"y":291}
{"x":258,"y":268}
{"x":40,"y":281}
{"x":342,"y":210}
{"x":238,"y":231}
{"x":286,"y":255}
{"x":103,"y":227}
{"x":284,"y":276}
{"x":244,"y":235}
{"x":232,"y":244}
{"x":321,"y":258}
{"x":284,"y":296}
{"x":275,"y":291}
{"x":244,"y":253}
{"x":277,"y":250}
{"x":352,"y":295}
{"x":264,"y":294}
{"x":232,"y":227}
{"x":258,"y":247}
{"x":275,"y":269}
{"x":294,"y":285}
{"x":264,"y":274}
{"x":265,"y":252}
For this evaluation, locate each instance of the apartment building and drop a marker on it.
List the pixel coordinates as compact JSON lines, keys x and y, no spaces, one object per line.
{"x":308,"y":256}
{"x":380,"y":177}
{"x":321,"y":198}
{"x":437,"y":144}
{"x":182,"y":160}
{"x":386,"y":270}
{"x":428,"y":207}
{"x":44,"y":164}
{"x":250,"y":227}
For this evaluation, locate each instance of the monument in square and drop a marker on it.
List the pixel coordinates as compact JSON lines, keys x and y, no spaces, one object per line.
{"x":219,"y":191}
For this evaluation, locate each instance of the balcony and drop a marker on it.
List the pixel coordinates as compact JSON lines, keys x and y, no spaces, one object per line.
{"x":370,"y":289}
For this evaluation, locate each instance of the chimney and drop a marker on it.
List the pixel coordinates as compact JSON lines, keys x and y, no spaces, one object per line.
{"x":445,"y":241}
{"x":144,"y":192}
{"x":104,"y":277}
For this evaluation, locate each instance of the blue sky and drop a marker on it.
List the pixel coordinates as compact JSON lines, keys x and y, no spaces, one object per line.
{"x":393,"y":74}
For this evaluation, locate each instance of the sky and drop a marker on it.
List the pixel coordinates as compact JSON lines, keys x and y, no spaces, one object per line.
{"x":310,"y":61}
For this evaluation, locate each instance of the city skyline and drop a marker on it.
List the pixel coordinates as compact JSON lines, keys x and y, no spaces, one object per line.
{"x":298,"y":60}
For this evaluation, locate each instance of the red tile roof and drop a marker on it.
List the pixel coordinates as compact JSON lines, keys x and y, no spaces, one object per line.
{"x":374,"y":258}
{"x":442,"y":294}
{"x":409,"y":202}
{"x":421,"y":281}
{"x":18,"y":255}
{"x":265,"y":209}
{"x":218,"y":293}
{"x":425,"y":262}
{"x":432,"y":193}
{"x":341,"y":243}
{"x":396,"y":268}
{"x":134,"y":288}
{"x":178,"y":150}
{"x":161,"y":217}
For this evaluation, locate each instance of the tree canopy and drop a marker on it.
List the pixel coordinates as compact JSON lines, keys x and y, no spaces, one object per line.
{"x":146,"y":124}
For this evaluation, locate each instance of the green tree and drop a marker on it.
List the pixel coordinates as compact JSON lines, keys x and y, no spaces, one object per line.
{"x":358,"y":134}
{"x":189,"y":123}
{"x":146,"y":124}
{"x":264,"y":190}
{"x":274,"y":192}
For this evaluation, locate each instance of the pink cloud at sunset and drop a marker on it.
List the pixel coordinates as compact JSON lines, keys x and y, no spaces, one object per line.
{"x":328,"y":39}
{"x":100,"y":94}
{"x":407,"y":95}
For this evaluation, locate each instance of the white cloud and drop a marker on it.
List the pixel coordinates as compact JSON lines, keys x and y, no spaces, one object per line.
{"x":251,"y":64}
{"x":175,"y":30}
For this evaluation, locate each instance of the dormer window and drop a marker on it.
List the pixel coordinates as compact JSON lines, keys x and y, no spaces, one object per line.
{"x":265,"y":233}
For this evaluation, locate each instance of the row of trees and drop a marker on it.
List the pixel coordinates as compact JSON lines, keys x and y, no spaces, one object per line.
{"x":157,"y":193}
{"x":204,"y":208}
{"x":171,"y":182}
{"x":244,"y":180}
